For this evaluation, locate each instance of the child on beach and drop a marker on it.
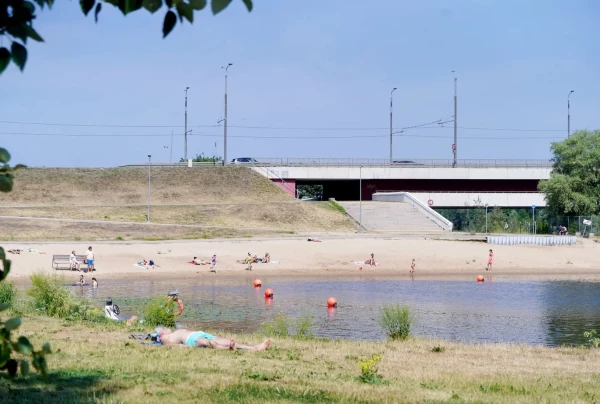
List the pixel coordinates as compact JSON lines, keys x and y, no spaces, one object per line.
{"x":213,"y":263}
{"x":490,"y":259}
{"x":412,"y":266}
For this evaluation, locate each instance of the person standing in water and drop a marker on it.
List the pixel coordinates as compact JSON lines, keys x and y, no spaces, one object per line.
{"x":412,"y":266}
{"x":490,"y":260}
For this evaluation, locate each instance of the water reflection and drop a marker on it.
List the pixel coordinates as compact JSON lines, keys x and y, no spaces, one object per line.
{"x":544,"y":312}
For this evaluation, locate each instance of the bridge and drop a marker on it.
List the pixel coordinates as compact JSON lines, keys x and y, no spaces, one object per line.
{"x":440,"y":183}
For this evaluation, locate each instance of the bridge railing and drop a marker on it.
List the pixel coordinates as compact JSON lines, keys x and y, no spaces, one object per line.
{"x":415,"y":191}
{"x":364,"y":162}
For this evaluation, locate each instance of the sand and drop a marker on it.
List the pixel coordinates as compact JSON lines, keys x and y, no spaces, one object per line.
{"x":435,"y":259}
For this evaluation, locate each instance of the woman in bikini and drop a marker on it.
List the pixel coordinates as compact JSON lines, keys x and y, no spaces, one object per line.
{"x":490,"y":259}
{"x":412,"y":266}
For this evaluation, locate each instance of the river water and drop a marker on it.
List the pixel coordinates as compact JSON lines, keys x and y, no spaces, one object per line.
{"x":546,"y":312}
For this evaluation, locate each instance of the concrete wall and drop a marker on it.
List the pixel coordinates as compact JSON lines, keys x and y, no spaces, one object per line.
{"x":473,"y":199}
{"x":288,"y":186}
{"x":349,"y":173}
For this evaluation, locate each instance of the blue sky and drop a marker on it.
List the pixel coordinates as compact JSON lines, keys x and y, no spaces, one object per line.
{"x":305,"y":64}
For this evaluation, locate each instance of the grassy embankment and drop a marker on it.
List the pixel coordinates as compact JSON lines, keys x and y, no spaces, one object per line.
{"x":230,"y":202}
{"x":98,"y":363}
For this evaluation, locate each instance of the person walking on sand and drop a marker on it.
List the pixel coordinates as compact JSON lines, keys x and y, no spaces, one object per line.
{"x":89,"y":257}
{"x":412,"y":266}
{"x":213,"y":263}
{"x":490,"y":260}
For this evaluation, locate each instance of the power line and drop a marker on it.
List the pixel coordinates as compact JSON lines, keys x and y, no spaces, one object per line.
{"x":284,"y":127}
{"x":398,"y":134}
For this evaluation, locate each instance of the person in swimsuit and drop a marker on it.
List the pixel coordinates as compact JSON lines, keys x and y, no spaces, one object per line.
{"x":371,"y":261}
{"x":94,"y":283}
{"x":267,"y":258}
{"x":81,"y":280}
{"x":200,"y":339}
{"x":490,"y":259}
{"x":213,"y":263}
{"x":412,"y":266}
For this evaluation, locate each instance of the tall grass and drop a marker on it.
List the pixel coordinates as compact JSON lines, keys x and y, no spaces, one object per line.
{"x":50,"y":296}
{"x":156,"y":312}
{"x":8,"y":292}
{"x":396,"y":321}
{"x":283,"y":326}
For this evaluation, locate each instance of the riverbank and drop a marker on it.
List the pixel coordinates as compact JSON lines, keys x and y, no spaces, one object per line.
{"x":435,"y":259}
{"x":100,"y":364}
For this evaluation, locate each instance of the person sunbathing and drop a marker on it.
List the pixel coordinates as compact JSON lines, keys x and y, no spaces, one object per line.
{"x":371,"y":261}
{"x":267,"y":258}
{"x":200,"y":262}
{"x":200,"y":339}
{"x":314,"y":240}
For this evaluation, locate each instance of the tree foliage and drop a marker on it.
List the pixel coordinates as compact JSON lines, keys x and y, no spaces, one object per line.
{"x":309,"y":191}
{"x":16,"y":19}
{"x":8,"y":346}
{"x":574,"y":184}
{"x":201,"y":158}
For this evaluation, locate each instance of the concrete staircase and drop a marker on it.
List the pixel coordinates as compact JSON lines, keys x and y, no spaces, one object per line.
{"x":391,"y":216}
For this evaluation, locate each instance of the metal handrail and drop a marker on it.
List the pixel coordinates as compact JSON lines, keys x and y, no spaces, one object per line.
{"x":457,"y":192}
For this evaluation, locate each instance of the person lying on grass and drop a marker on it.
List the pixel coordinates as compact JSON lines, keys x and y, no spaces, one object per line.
{"x":185,"y":337}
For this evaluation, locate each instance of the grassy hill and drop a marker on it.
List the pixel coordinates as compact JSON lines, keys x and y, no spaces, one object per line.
{"x":236,"y":198}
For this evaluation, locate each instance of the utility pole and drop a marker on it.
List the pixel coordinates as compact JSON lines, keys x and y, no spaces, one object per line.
{"x":360,"y":196}
{"x":391,"y":123}
{"x":185,"y":128}
{"x":149,"y":165}
{"x":171,"y":150}
{"x":454,"y":145}
{"x":569,"y":113}
{"x":225,"y":118}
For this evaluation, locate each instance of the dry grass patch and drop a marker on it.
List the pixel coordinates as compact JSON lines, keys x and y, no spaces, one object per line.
{"x":103,"y":365}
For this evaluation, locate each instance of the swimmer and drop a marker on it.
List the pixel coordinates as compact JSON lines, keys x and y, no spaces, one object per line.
{"x":94,"y":283}
{"x":412,"y":266}
{"x":81,"y":280}
{"x":490,"y":259}
{"x":200,"y":339}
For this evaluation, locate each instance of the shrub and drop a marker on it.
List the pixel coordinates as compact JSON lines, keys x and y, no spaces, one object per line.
{"x":277,"y":327}
{"x":592,"y":340}
{"x":396,"y":321}
{"x":369,"y":369}
{"x":304,"y":327}
{"x":7,"y":293}
{"x":50,"y":296}
{"x":157,"y":313}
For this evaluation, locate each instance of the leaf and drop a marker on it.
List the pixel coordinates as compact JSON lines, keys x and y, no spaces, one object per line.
{"x":127,"y":6}
{"x":4,"y":155}
{"x":248,"y":4}
{"x":87,"y":5}
{"x":19,"y":55}
{"x":152,"y":5}
{"x":24,"y":346}
{"x":169,"y":23}
{"x":5,"y":183}
{"x":4,"y":59}
{"x":184,"y":10}
{"x":169,"y":3}
{"x":4,"y":306}
{"x":219,"y":5}
{"x":24,"y":368}
{"x":98,"y":9}
{"x":197,"y":4}
{"x":40,"y":3}
{"x":31,"y":33}
{"x":17,"y":30}
{"x":13,"y":323}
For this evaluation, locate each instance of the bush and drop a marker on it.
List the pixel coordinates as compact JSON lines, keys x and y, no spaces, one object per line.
{"x":304,"y":327}
{"x":278,"y":327}
{"x":396,"y":321}
{"x":50,"y":296}
{"x":369,"y":369}
{"x":7,"y":293}
{"x":157,"y":313}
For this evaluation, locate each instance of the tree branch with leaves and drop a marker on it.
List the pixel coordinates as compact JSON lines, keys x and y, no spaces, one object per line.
{"x":16,"y":19}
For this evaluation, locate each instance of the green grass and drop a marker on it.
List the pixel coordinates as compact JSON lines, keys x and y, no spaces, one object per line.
{"x":337,"y":207}
{"x":8,"y":292}
{"x":396,"y":321}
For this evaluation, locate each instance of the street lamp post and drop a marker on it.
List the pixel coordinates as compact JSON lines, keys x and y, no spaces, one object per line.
{"x":569,"y":113}
{"x":185,"y":128}
{"x":391,"y":122}
{"x":225,"y":118}
{"x":360,"y":196}
{"x":149,"y":179}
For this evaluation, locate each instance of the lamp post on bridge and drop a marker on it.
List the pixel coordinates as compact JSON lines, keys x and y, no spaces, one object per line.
{"x":569,"y":113}
{"x":391,"y":123}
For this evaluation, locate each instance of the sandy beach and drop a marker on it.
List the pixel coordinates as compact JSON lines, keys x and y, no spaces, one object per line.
{"x":434,"y":258}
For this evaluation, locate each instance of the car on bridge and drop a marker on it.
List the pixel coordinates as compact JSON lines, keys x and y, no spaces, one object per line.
{"x":243,"y":160}
{"x":406,"y":162}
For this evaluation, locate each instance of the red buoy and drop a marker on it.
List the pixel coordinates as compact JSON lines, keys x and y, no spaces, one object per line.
{"x":332,"y":302}
{"x":480,"y":278}
{"x":269,"y":293}
{"x":257,"y":283}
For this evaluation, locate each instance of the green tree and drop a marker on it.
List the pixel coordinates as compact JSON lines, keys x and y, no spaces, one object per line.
{"x":309,"y":191}
{"x":16,"y":19}
{"x":574,"y":184}
{"x":8,"y":346}
{"x":201,"y":158}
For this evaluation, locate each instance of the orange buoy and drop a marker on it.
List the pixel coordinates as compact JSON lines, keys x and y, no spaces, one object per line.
{"x":257,"y":283}
{"x":480,"y":278}
{"x":269,"y":293}
{"x":332,"y":302}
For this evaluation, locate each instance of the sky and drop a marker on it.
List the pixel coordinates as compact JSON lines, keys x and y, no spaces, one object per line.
{"x":310,"y":79}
